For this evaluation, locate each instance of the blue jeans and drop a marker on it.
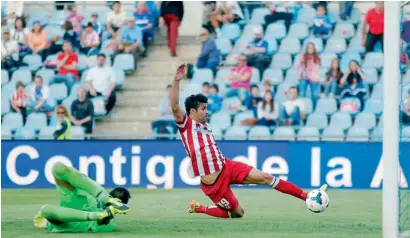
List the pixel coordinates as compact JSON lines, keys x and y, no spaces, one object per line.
{"x":212,"y":65}
{"x":314,"y":89}
{"x":236,"y":92}
{"x":331,"y":87}
{"x":47,"y":106}
{"x":294,"y":116}
{"x":321,"y":30}
{"x":348,"y":9}
{"x":68,"y":79}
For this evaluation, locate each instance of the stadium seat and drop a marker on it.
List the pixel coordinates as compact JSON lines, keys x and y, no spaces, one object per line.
{"x":341,"y":119}
{"x":58,"y":91}
{"x":24,"y":133}
{"x":345,"y":60}
{"x":34,"y":62}
{"x":4,"y":77}
{"x":317,"y":120}
{"x":275,"y":31}
{"x":222,"y":74}
{"x":335,"y":45}
{"x":258,"y":15}
{"x":77,"y":133}
{"x":231,"y":31}
{"x":125,"y":62}
{"x":308,"y":105}
{"x":119,"y":78}
{"x":281,"y":61}
{"x":333,"y":134}
{"x":371,"y":74}
{"x":224,"y":46}
{"x":259,"y":133}
{"x":12,"y":120}
{"x":217,"y":133}
{"x":299,"y":31}
{"x":326,"y":59}
{"x":308,"y":134}
{"x":227,"y":102}
{"x":255,"y":78}
{"x":375,"y":106}
{"x":344,"y":30}
{"x":377,"y":92}
{"x":284,"y":133}
{"x":323,"y":75}
{"x":357,"y":134}
{"x":355,"y":17}
{"x":36,"y":121}
{"x":355,"y":46}
{"x":202,"y":75}
{"x":281,"y":92}
{"x":247,"y":32}
{"x":306,"y":15}
{"x":373,"y":60}
{"x":46,"y":75}
{"x":272,"y":47}
{"x":240,"y":45}
{"x":53,"y":31}
{"x":83,"y":63}
{"x":21,"y":75}
{"x":275,"y":76}
{"x":291,"y":76}
{"x":318,"y":42}
{"x":6,"y":133}
{"x":405,"y":134}
{"x":365,"y":120}
{"x":7,"y":90}
{"x":221,"y":120}
{"x":46,"y":133}
{"x":67,"y":103}
{"x":235,"y":133}
{"x":333,"y":15}
{"x":240,"y":117}
{"x":290,"y":45}
{"x":326,"y":106}
{"x":377,"y":135}
{"x":5,"y":105}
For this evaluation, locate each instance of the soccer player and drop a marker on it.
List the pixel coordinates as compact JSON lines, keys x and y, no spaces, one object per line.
{"x":85,"y":206}
{"x":207,"y":161}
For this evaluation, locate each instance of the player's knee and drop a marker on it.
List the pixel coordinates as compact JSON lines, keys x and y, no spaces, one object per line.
{"x":58,"y":169}
{"x":238,"y":213}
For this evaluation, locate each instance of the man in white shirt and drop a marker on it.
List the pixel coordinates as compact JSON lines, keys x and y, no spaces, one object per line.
{"x":115,"y":20}
{"x":225,"y":12}
{"x":101,"y":82}
{"x":9,"y":51}
{"x":293,"y":110}
{"x":39,"y":97}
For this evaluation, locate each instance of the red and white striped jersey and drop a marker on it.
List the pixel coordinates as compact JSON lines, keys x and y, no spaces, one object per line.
{"x":201,"y":147}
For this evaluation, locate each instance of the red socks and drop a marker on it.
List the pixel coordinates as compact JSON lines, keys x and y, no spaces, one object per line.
{"x":290,"y":188}
{"x":212,"y":211}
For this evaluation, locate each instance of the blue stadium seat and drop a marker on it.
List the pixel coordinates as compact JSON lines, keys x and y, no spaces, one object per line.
{"x":333,"y":15}
{"x":259,"y":133}
{"x":374,"y":60}
{"x":317,"y":120}
{"x":323,"y":75}
{"x":291,"y":77}
{"x":227,"y":102}
{"x":7,"y":90}
{"x":248,"y":30}
{"x":58,"y":91}
{"x":341,"y":119}
{"x":405,"y":134}
{"x":77,"y":133}
{"x":53,"y":31}
{"x":24,"y":133}
{"x":281,"y":92}
{"x":224,"y":46}
{"x":235,"y":133}
{"x":82,"y":62}
{"x":296,"y":60}
{"x":119,"y":78}
{"x":222,"y":74}
{"x":6,"y":133}
{"x":281,"y":61}
{"x":21,"y":75}
{"x":290,"y":45}
{"x":231,"y":31}
{"x":326,"y":59}
{"x":333,"y":134}
{"x":371,"y":74}
{"x":357,"y":134}
{"x":355,"y":17}
{"x":335,"y":45}
{"x":4,"y":77}
{"x":240,"y":45}
{"x":5,"y":105}
{"x":377,"y":134}
{"x":275,"y":76}
{"x":299,"y":31}
{"x":46,"y":75}
{"x":36,"y":121}
{"x":346,"y":58}
{"x":308,"y":134}
{"x":377,"y":92}
{"x":67,"y":103}
{"x":344,"y":30}
{"x":326,"y":106}
{"x":308,"y":105}
{"x":272,"y":47}
{"x":240,"y":117}
{"x":284,"y":133}
{"x":275,"y":31}
{"x":318,"y":42}
{"x":125,"y":62}
{"x":374,"y":106}
{"x":306,"y":15}
{"x":355,"y":46}
{"x":220,"y":120}
{"x":258,"y":15}
{"x":202,"y":75}
{"x":255,"y":79}
{"x":46,"y":133}
{"x":365,"y":120}
{"x":99,"y":106}
{"x":34,"y":62}
{"x":217,"y":133}
{"x":12,"y":120}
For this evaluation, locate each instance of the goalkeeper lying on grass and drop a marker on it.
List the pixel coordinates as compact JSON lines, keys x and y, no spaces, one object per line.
{"x":85,"y":206}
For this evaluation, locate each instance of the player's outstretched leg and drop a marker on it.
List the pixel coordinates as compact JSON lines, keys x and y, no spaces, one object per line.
{"x":214,"y":211}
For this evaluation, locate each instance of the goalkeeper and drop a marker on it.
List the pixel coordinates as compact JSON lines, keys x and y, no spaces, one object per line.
{"x":85,"y":206}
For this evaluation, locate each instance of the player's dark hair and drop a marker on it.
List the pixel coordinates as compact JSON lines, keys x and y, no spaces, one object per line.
{"x":193,"y":101}
{"x":122,"y":193}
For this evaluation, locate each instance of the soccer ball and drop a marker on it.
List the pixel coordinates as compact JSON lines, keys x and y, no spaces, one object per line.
{"x":317,"y":201}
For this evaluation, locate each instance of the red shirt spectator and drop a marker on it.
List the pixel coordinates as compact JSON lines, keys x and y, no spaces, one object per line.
{"x":67,"y":61}
{"x":241,"y":74}
{"x":375,"y":20}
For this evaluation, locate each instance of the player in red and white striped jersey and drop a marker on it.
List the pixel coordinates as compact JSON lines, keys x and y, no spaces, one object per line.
{"x":217,"y":172}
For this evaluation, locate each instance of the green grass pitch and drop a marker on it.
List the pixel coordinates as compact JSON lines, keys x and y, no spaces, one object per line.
{"x":163,"y":213}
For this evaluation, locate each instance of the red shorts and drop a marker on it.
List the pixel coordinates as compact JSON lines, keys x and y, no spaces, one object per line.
{"x":220,"y":192}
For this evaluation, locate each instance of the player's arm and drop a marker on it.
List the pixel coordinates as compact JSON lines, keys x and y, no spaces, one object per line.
{"x":176,"y":109}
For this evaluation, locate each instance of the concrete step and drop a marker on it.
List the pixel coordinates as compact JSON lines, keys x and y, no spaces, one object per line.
{"x":110,"y":128}
{"x":135,"y":94}
{"x":130,"y":114}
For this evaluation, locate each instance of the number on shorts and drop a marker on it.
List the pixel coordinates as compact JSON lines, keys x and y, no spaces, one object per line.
{"x":224,"y":204}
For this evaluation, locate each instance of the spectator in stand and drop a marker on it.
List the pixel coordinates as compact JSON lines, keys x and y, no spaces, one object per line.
{"x":252,"y":100}
{"x":20,"y":33}
{"x":37,"y":40}
{"x":293,"y":110}
{"x":374,"y":19}
{"x":210,"y":56}
{"x":19,"y":100}
{"x":166,"y":118}
{"x":101,"y":82}
{"x":9,"y":51}
{"x":214,"y":100}
{"x":39,"y":97}
{"x":354,"y":83}
{"x":284,"y":10}
{"x":75,"y":19}
{"x":209,"y":10}
{"x":308,"y":71}
{"x":240,"y":76}
{"x":332,"y":83}
{"x":225,"y":12}
{"x":268,"y":110}
{"x":63,"y":131}
{"x":321,"y":23}
{"x":205,"y":89}
{"x":144,"y":18}
{"x":82,"y":111}
{"x":131,"y":38}
{"x":172,"y":13}
{"x":67,"y":66}
{"x":90,"y":41}
{"x":406,"y":110}
{"x":96,"y":24}
{"x":348,"y":9}
{"x":71,"y":35}
{"x":115,"y":20}
{"x":257,"y":51}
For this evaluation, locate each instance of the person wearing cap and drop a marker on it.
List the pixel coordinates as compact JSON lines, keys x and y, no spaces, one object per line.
{"x":37,"y":39}
{"x":257,"y":51}
{"x":405,"y":118}
{"x":210,"y":56}
{"x":115,"y":20}
{"x":9,"y":51}
{"x":90,"y":40}
{"x":130,"y":37}
{"x":145,"y":19}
